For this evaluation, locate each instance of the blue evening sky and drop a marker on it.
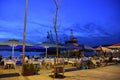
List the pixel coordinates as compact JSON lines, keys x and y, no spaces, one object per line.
{"x":94,"y":22}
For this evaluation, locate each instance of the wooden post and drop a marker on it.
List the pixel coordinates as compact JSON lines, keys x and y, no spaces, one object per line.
{"x":24,"y":33}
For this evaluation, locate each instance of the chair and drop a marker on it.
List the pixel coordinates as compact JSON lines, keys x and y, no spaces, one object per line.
{"x":48,"y":65}
{"x":58,"y":70}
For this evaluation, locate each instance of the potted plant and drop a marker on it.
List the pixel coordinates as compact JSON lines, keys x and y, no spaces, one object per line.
{"x":36,"y":69}
{"x":27,"y":69}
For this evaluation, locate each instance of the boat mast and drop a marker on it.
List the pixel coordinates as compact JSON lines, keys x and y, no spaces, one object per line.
{"x":51,"y":37}
{"x":71,"y":32}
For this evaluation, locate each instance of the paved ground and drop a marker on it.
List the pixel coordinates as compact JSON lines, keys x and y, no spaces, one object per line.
{"x":104,"y":73}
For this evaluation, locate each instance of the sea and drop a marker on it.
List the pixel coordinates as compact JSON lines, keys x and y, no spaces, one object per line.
{"x":17,"y":54}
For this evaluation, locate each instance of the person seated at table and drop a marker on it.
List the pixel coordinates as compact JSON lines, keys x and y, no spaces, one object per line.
{"x":101,"y":63}
{"x":0,"y":57}
{"x":110,"y":58}
{"x":26,"y":59}
{"x":9,"y":58}
{"x":82,"y":64}
{"x":36,"y":58}
{"x":93,"y":62}
{"x":1,"y":60}
{"x":97,"y":62}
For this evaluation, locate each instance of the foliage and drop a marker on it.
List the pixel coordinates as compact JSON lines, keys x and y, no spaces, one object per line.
{"x":28,"y":66}
{"x":36,"y":69}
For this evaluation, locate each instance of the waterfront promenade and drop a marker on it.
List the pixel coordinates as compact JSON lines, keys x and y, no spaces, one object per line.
{"x":111,"y":72}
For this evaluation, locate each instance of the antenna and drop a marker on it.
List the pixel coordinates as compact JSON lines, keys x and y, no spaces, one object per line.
{"x":48,"y":37}
{"x":64,"y":37}
{"x":51,"y":36}
{"x":71,"y":36}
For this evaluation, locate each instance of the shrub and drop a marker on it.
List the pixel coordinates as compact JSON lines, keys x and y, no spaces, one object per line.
{"x":27,"y":69}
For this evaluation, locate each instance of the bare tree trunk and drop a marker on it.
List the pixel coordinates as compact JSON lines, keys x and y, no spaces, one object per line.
{"x":24,"y":33}
{"x":55,"y":27}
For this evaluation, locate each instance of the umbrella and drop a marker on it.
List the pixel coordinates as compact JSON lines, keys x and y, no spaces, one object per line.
{"x":104,"y":49}
{"x":47,"y":45}
{"x":13,"y":43}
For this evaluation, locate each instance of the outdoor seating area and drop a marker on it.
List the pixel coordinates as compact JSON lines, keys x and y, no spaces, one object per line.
{"x":42,"y":65}
{"x":59,"y":40}
{"x":96,"y":61}
{"x":62,"y":71}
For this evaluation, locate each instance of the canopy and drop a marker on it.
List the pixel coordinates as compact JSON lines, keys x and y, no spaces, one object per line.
{"x":104,"y":49}
{"x":115,"y":46}
{"x":13,"y":43}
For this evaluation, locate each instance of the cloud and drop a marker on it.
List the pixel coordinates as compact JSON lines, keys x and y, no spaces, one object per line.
{"x":87,"y":30}
{"x":8,"y":35}
{"x":10,"y":25}
{"x":38,"y":23}
{"x":90,"y":34}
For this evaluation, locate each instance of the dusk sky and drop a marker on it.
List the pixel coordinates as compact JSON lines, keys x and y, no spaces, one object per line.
{"x":94,"y":22}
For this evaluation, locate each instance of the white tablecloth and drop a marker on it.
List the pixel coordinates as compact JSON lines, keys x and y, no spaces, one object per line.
{"x":9,"y":62}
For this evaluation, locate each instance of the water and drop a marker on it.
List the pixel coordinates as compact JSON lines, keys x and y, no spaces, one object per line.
{"x":6,"y":54}
{"x":89,"y":53}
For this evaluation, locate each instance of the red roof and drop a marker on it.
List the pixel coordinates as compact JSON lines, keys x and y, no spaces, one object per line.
{"x":118,"y":44}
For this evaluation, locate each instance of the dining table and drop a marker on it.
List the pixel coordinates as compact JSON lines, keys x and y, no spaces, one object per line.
{"x":9,"y":64}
